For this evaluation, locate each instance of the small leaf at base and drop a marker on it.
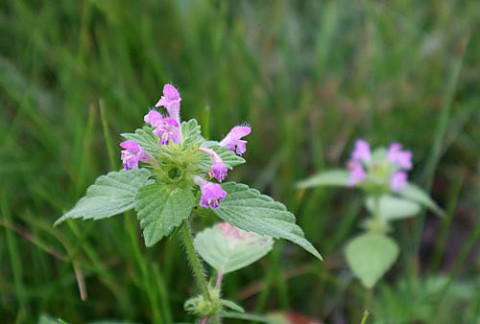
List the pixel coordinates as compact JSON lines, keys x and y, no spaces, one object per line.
{"x":370,"y":255}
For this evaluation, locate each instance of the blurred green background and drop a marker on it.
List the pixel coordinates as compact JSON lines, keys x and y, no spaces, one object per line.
{"x":309,"y":77}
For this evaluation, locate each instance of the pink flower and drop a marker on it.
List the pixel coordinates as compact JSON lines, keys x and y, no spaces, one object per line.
{"x":233,"y":139}
{"x":132,"y":154}
{"x":153,"y":118}
{"x":357,"y":173}
{"x":168,"y":129}
{"x":212,"y":193}
{"x":402,"y":159}
{"x":171,"y":101}
{"x":361,"y":153}
{"x":218,"y":169}
{"x":398,"y":181}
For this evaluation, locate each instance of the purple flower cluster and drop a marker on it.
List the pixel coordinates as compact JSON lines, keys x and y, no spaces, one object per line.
{"x":168,"y":131}
{"x":399,"y":162}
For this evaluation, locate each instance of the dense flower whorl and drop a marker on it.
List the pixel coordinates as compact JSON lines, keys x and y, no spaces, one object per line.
{"x":132,"y":154}
{"x":233,"y":139}
{"x":390,"y":165}
{"x":180,"y":164}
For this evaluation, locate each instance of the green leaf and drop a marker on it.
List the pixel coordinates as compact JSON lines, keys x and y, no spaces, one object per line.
{"x":327,"y":178}
{"x":231,"y":305}
{"x":415,"y":193}
{"x":160,"y":209}
{"x":228,"y":157}
{"x":392,"y":208}
{"x":145,"y":138}
{"x":191,"y":132}
{"x":110,"y":195}
{"x":249,"y":210}
{"x":227,"y":253}
{"x":370,"y":255}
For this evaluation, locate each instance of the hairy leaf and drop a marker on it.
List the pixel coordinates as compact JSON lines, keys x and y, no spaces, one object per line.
{"x":249,"y":210}
{"x":110,"y":195}
{"x":191,"y":132}
{"x":160,"y":209}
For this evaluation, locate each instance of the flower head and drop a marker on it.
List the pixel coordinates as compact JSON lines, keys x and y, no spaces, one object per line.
{"x":171,"y":101}
{"x":399,"y":157}
{"x":218,"y":170}
{"x":132,"y":154}
{"x":233,"y":139}
{"x":361,"y":153}
{"x":398,"y":181}
{"x":212,"y":193}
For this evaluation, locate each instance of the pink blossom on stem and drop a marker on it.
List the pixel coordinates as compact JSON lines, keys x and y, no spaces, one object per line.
{"x":132,"y":154}
{"x":233,"y":139}
{"x":357,"y":173}
{"x":212,"y":193}
{"x":361,"y":153}
{"x":399,"y":157}
{"x":153,"y":118}
{"x":398,"y":182}
{"x":168,"y":130}
{"x":171,"y":101}
{"x":218,"y":170}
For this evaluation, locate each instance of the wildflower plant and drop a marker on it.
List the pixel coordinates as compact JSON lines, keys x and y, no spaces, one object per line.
{"x":172,"y":174}
{"x":382,"y":175}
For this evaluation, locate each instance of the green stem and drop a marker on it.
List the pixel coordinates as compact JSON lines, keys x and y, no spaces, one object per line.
{"x":365,"y":316}
{"x":194,"y":260}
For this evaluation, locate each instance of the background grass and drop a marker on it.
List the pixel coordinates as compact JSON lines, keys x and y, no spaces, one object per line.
{"x":309,"y":77}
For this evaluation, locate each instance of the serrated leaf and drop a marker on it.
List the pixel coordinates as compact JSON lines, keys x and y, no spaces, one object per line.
{"x":111,"y":194}
{"x":160,"y":209}
{"x":327,"y":178}
{"x":415,"y":193}
{"x":393,"y":208}
{"x":145,"y":138}
{"x":370,"y":255}
{"x":191,"y":132}
{"x":249,"y":210}
{"x":231,"y":249}
{"x":231,"y":305}
{"x":228,"y":157}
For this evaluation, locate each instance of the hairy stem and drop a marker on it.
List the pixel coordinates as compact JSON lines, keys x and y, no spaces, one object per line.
{"x":194,"y":260}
